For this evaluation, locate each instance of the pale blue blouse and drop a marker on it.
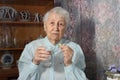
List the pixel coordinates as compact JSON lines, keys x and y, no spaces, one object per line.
{"x":57,"y":70}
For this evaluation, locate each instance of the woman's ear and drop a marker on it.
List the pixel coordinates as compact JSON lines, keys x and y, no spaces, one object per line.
{"x":44,"y":27}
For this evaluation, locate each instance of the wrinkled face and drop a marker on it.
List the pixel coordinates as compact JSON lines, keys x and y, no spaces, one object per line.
{"x":55,"y":27}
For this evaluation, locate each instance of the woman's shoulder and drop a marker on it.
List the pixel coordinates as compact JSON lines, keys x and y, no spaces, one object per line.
{"x":36,"y":41}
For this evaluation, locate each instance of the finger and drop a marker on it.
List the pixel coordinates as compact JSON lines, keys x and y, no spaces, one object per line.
{"x":42,"y":59}
{"x":44,"y":56}
{"x":41,"y":48}
{"x":44,"y":52}
{"x":64,"y":48}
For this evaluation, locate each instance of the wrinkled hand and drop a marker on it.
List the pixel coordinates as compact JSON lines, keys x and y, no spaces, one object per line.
{"x":67,"y":53}
{"x":41,"y":54}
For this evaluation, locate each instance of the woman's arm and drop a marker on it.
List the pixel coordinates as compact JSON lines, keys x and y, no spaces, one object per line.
{"x":75,"y":71}
{"x":26,"y":67}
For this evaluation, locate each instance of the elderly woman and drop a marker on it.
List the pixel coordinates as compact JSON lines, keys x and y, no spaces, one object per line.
{"x":52,"y":57}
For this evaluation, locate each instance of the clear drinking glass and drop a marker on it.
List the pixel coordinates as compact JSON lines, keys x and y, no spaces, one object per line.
{"x":48,"y":62}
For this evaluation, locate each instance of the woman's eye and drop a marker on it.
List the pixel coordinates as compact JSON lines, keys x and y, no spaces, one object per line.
{"x":61,"y":24}
{"x":51,"y":23}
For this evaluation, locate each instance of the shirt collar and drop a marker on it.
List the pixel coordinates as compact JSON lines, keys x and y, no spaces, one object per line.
{"x":50,"y":44}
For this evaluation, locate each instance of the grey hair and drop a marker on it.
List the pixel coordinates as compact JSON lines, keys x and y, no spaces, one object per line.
{"x":60,"y":11}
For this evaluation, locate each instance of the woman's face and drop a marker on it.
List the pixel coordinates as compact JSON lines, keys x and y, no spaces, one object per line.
{"x":55,"y":27}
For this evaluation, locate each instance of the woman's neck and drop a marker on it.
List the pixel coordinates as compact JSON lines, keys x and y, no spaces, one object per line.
{"x":54,"y":42}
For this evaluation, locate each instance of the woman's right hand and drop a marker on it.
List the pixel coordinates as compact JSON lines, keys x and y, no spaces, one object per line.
{"x":41,"y":54}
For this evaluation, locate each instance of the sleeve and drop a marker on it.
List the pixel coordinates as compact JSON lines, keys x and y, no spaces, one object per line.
{"x":26,"y":68}
{"x":75,"y":71}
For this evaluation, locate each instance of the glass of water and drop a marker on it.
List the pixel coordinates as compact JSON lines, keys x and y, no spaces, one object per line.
{"x":48,"y":63}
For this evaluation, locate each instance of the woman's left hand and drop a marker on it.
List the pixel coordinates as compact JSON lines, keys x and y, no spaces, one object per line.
{"x":67,"y":53}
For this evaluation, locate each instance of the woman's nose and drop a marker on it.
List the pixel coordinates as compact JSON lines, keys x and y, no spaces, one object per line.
{"x":56,"y":26}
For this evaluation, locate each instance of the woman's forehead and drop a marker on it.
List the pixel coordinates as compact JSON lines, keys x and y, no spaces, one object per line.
{"x":55,"y":16}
